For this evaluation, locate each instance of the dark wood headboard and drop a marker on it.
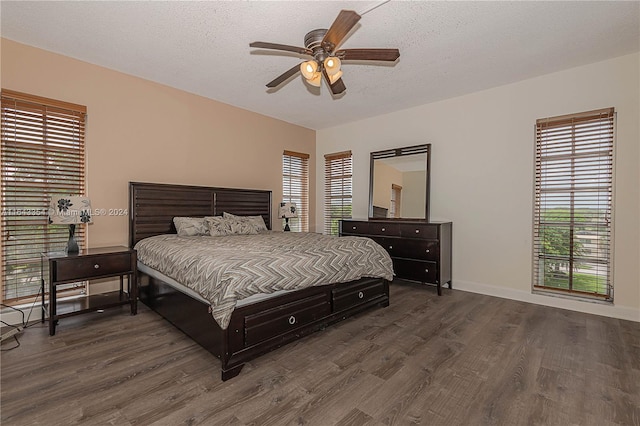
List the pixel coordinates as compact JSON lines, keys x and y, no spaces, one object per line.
{"x":152,"y":206}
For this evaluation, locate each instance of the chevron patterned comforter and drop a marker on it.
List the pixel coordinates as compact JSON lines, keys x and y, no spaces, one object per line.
{"x":226,"y":269}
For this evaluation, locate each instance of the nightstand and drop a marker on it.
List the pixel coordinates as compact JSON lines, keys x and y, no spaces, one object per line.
{"x":93,"y":263}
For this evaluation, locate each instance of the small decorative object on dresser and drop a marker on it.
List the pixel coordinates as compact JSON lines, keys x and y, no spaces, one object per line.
{"x":420,"y":250}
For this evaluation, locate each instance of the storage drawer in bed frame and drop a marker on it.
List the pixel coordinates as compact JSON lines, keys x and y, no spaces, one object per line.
{"x":283,"y":319}
{"x":347,"y":297}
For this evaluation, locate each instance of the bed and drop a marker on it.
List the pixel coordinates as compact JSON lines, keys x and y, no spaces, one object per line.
{"x":258,"y":324}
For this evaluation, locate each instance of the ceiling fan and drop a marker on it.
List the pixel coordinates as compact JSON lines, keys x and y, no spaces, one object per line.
{"x":321,"y":45}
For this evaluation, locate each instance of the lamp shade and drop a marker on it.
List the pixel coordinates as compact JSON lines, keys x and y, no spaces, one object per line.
{"x":315,"y":80}
{"x":308,"y":69}
{"x":332,"y":65}
{"x":69,"y":210}
{"x":335,"y":77}
{"x":287,"y":210}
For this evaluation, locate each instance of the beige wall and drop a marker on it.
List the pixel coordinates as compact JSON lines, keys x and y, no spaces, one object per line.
{"x":138,"y":130}
{"x":482,"y":174}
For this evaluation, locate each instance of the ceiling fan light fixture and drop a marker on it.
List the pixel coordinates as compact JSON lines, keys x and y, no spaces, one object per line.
{"x":332,"y":65}
{"x":334,"y":77}
{"x":320,"y":44}
{"x":308,"y":69}
{"x":315,"y":79}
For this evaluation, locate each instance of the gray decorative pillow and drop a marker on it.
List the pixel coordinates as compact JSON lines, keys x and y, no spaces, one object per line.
{"x":256,"y":221}
{"x":190,"y":226}
{"x":241,"y":226}
{"x":218,"y":226}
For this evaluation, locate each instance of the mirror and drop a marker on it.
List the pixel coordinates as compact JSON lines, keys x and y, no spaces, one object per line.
{"x":399,"y":183}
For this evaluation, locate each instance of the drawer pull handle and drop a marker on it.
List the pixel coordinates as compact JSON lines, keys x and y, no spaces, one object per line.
{"x":390,"y":247}
{"x":417,"y":231}
{"x":353,"y":228}
{"x":292,"y":320}
{"x":383,"y":229}
{"x":96,"y":266}
{"x":426,"y":270}
{"x":360,"y":295}
{"x":428,"y":251}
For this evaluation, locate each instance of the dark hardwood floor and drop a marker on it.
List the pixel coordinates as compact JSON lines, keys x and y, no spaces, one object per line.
{"x":459,"y":359}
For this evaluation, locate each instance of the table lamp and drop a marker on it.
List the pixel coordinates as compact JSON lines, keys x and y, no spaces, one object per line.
{"x":287,"y":211}
{"x":70,"y":210}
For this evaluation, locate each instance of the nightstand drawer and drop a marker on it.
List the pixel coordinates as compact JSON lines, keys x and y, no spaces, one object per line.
{"x":69,"y":269}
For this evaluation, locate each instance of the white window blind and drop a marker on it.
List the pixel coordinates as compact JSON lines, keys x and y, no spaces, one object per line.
{"x":295,"y":187}
{"x":42,"y":155}
{"x":338,"y":190}
{"x":573,"y":201}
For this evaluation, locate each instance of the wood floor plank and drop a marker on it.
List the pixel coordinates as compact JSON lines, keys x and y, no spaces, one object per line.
{"x":458,"y":359}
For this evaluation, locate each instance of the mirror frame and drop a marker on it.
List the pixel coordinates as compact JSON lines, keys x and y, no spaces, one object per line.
{"x":398,"y":152}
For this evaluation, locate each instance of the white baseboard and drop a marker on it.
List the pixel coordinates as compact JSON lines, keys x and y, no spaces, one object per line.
{"x":14,"y":318}
{"x":597,"y":308}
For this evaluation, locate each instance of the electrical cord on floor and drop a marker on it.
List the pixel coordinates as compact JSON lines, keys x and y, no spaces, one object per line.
{"x":25,"y":322}
{"x":15,"y":336}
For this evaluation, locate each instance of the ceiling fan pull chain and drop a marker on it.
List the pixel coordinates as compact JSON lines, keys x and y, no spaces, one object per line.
{"x":375,"y":6}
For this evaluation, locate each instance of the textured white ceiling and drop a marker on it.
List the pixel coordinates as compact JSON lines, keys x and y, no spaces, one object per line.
{"x":446,"y":48}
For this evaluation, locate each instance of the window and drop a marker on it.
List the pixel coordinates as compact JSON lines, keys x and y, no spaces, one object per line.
{"x":295,"y":187}
{"x":42,"y":155}
{"x":396,"y":198}
{"x":572,"y":217}
{"x":337,"y":190}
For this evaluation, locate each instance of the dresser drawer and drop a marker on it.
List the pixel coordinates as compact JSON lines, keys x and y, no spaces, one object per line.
{"x":384,"y":229}
{"x":70,"y":269}
{"x":352,"y":296}
{"x":423,"y":231}
{"x":416,"y":270}
{"x":283,"y":319}
{"x":384,"y":242}
{"x":355,"y":228}
{"x":412,"y":249}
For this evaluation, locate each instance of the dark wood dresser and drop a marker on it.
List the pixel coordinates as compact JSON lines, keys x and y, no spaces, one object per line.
{"x":420,"y":250}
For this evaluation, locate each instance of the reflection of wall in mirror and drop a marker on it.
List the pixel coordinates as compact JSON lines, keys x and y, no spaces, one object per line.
{"x":413,"y":194}
{"x":383,"y":178}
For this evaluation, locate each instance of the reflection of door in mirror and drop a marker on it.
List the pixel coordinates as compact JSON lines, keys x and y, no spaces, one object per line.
{"x":399,"y":183}
{"x":395,"y":209}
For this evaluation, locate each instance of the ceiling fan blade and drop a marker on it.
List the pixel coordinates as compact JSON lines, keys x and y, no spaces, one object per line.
{"x":284,"y":76}
{"x":345,"y":21}
{"x":368,"y":54}
{"x":337,"y":87}
{"x":285,"y":47}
